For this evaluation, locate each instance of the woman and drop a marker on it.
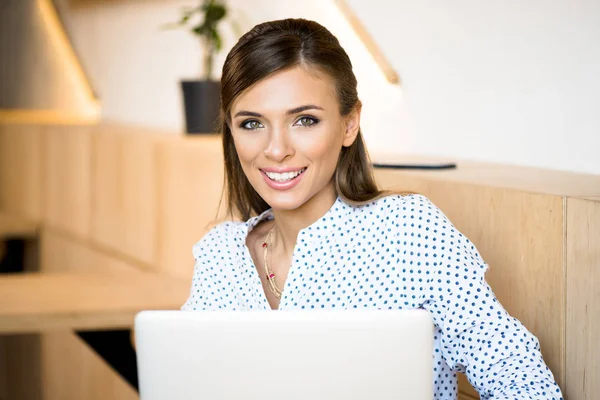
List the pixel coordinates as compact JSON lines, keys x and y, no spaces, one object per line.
{"x":320,"y":235}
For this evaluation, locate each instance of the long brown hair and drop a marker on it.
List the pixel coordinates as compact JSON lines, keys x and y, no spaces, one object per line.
{"x":271,"y":47}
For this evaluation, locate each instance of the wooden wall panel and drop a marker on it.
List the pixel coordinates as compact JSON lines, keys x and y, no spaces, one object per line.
{"x":3,"y":369}
{"x":21,"y":170}
{"x":72,"y":371}
{"x":463,"y":396}
{"x":67,"y":175}
{"x":125,"y":192}
{"x":21,"y":188}
{"x":465,"y":389}
{"x":583,"y":299}
{"x":60,"y":252}
{"x":190,"y":185}
{"x":520,"y":236}
{"x":23,"y":368}
{"x":593,"y":198}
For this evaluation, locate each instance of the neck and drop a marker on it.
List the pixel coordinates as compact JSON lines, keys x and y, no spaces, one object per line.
{"x":289,"y":223}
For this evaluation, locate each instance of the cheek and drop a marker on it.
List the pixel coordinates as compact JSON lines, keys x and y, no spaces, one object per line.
{"x":246,"y":148}
{"x":325,"y":145}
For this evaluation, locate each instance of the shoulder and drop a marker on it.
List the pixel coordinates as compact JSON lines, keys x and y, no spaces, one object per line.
{"x":219,"y":237}
{"x":421,"y":223}
{"x":415,"y":215}
{"x":406,"y":206}
{"x":395,"y":207}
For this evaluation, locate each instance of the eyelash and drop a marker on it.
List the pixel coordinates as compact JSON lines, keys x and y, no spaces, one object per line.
{"x":314,"y":121}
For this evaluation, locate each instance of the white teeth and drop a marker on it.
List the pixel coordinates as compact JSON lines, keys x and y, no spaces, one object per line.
{"x":283,"y":177}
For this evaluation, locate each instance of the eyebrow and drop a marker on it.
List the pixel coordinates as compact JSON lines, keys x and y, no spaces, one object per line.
{"x":288,"y":112}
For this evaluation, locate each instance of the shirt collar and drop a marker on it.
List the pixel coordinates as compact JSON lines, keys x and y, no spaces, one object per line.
{"x":315,"y":231}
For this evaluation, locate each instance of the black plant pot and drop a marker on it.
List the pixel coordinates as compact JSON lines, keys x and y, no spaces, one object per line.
{"x":201,"y":101}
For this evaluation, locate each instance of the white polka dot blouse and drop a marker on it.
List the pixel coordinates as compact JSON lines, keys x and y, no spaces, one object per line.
{"x":397,"y":252}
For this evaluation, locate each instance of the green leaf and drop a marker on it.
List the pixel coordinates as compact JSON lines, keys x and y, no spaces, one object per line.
{"x":215,"y":13}
{"x":198,"y":30}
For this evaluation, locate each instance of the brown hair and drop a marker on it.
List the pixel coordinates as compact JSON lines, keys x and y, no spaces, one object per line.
{"x":271,"y":47}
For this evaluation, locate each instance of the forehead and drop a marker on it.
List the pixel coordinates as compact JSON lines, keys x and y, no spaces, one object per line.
{"x":287,"y":89}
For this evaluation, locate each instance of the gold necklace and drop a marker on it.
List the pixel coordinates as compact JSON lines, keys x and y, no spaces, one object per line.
{"x":270,"y":275}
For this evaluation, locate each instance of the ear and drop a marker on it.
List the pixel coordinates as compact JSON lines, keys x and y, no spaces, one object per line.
{"x":352,"y":125}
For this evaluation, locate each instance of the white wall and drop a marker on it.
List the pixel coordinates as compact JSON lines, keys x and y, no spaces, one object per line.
{"x":511,"y":81}
{"x":135,"y":65}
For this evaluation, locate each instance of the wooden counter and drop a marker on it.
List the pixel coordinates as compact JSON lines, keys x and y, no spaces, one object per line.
{"x":512,"y":177}
{"x":39,"y":302}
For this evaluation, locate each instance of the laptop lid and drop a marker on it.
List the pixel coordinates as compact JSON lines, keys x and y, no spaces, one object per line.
{"x":285,"y":355}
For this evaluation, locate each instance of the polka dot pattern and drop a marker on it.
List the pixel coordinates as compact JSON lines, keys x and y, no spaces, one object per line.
{"x":398,"y":252}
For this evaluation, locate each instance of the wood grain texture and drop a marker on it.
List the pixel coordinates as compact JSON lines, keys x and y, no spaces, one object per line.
{"x":583,"y":299}
{"x":593,"y":198}
{"x":21,"y":189}
{"x":190,"y":182}
{"x":61,"y":252}
{"x":23,"y":368}
{"x":465,"y":389}
{"x":464,"y":396}
{"x":125,"y":214}
{"x":38,"y":302}
{"x":63,"y":353}
{"x":71,"y":370}
{"x":67,"y":175}
{"x":14,"y":226}
{"x":520,"y":236}
{"x":82,"y":287}
{"x":21,"y":178}
{"x":3,"y":369}
{"x":526,"y":179}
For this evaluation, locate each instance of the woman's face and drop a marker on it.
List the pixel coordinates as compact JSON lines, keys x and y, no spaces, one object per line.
{"x":288,"y":134}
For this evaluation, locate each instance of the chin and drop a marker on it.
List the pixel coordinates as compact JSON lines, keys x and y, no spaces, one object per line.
{"x":284,"y":201}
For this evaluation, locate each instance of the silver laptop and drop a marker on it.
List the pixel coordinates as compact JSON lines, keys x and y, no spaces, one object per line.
{"x":280,"y":355}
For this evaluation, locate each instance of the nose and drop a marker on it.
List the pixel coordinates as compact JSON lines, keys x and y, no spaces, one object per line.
{"x":278,"y":147}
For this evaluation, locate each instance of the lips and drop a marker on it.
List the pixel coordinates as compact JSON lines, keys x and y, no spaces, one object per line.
{"x":284,"y":176}
{"x":283,"y":179}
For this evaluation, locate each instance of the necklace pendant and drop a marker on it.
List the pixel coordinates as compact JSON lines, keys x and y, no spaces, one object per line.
{"x":270,"y":276}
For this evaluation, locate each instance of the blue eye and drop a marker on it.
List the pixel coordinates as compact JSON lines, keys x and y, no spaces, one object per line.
{"x":306,"y":121}
{"x":251,"y":125}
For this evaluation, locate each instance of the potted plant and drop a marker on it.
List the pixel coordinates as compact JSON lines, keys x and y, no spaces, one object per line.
{"x":201,"y":97}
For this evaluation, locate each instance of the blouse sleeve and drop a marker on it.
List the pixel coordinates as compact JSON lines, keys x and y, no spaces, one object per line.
{"x":195,"y":301}
{"x":500,"y":357}
{"x":205,"y":258}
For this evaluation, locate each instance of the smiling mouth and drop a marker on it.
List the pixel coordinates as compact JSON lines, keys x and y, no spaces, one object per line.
{"x":285,"y":176}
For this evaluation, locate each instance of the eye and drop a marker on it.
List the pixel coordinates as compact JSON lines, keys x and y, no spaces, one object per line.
{"x":251,"y":125}
{"x":306,"y":121}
